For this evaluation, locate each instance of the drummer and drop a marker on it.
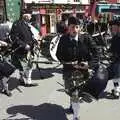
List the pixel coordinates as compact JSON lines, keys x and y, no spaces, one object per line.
{"x":75,"y":48}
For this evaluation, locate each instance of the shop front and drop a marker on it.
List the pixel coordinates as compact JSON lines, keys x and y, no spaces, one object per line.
{"x":52,"y":12}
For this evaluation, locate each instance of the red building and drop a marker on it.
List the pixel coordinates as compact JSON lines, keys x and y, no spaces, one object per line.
{"x":113,"y":1}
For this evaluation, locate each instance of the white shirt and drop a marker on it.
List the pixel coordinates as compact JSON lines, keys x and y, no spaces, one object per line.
{"x":75,"y":38}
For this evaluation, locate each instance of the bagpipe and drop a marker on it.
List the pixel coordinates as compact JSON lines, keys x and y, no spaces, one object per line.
{"x":86,"y":81}
{"x":100,"y":75}
{"x":99,"y":78}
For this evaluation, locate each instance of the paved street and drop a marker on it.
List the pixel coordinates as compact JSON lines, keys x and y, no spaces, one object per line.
{"x":48,"y":102}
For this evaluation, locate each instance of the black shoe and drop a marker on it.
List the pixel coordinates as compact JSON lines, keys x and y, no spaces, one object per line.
{"x":28,"y":85}
{"x":7,"y":92}
{"x":31,"y":85}
{"x":69,"y":110}
{"x":77,"y":118}
{"x":114,"y":95}
{"x":22,"y":83}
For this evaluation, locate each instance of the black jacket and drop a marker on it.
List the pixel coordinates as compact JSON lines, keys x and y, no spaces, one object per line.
{"x":115,"y":44}
{"x":115,"y":47}
{"x":82,"y":50}
{"x":21,"y":35}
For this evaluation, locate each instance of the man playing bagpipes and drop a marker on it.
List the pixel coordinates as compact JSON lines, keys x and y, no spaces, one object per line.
{"x":23,"y":43}
{"x":78,"y":53}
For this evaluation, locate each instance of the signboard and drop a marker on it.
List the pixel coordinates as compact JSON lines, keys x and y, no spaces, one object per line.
{"x":13,"y":8}
{"x":53,"y":6}
{"x":37,"y":1}
{"x":108,"y":8}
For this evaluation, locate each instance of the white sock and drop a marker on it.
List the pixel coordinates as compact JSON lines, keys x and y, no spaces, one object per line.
{"x":76,"y":109}
{"x":28,"y":76}
{"x":117,"y":91}
{"x":4,"y":83}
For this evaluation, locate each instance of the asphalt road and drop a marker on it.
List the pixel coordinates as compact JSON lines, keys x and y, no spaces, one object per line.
{"x":48,"y":101}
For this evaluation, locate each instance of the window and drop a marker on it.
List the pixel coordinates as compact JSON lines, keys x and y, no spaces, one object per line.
{"x":76,"y":0}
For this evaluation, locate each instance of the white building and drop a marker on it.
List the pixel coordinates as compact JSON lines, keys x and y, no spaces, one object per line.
{"x":83,"y":2}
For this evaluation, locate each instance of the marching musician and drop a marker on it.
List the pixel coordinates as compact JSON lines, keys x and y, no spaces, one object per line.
{"x":75,"y":48}
{"x":6,"y":69}
{"x":23,"y":43}
{"x":115,"y":50}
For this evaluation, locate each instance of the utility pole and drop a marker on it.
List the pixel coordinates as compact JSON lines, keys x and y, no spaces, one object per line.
{"x":5,"y":11}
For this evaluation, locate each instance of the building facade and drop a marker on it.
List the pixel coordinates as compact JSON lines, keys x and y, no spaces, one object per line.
{"x":49,"y":12}
{"x":2,"y":11}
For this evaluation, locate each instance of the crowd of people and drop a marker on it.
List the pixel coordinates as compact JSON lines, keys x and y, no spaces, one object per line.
{"x":80,"y":53}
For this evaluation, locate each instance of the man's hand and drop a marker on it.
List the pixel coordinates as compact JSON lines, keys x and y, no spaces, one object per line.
{"x":82,"y":65}
{"x":27,"y":47}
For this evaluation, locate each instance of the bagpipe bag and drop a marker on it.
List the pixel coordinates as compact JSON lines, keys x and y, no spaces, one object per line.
{"x":98,"y":82}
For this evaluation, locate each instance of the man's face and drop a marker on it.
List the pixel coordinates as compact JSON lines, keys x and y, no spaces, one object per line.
{"x":27,"y":17}
{"x":73,"y":30}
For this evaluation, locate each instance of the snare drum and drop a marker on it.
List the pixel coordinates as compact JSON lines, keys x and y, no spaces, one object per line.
{"x":49,"y":47}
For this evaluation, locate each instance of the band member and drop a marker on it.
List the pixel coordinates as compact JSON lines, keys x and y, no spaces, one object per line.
{"x":23,"y":43}
{"x":115,"y":66}
{"x":6,"y":69}
{"x":74,"y":51}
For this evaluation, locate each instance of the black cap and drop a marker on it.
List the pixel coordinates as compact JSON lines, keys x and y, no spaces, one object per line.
{"x":73,"y":20}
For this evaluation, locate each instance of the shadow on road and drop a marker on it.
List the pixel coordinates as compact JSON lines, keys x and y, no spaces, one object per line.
{"x":44,"y":111}
{"x":14,"y":84}
{"x":44,"y":73}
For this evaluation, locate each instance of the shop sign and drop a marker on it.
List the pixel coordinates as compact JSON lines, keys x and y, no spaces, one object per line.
{"x":37,"y":1}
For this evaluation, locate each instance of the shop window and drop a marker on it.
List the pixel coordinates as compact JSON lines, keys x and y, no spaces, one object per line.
{"x":43,"y":20}
{"x":76,"y":0}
